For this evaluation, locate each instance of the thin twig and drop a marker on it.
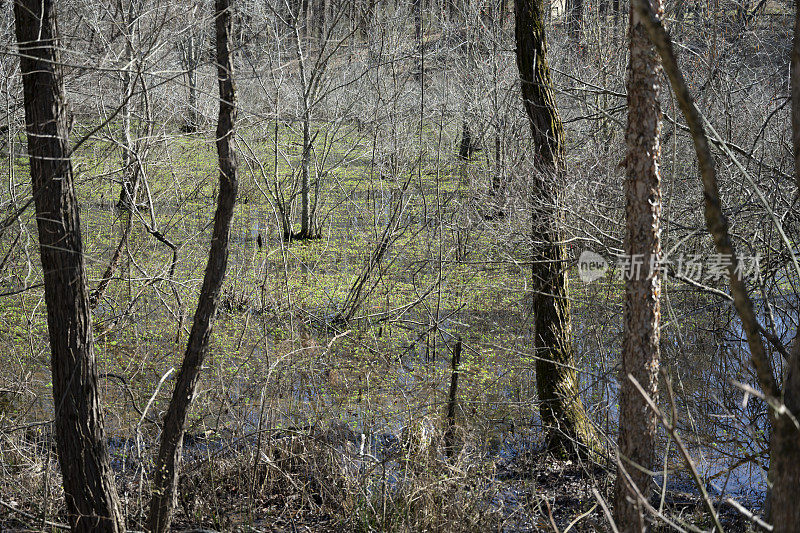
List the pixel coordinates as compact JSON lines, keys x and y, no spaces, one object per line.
{"x":606,"y":511}
{"x":32,"y":517}
{"x":670,"y":427}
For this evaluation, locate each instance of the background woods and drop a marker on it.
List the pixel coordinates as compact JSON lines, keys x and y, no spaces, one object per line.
{"x":453,"y":265}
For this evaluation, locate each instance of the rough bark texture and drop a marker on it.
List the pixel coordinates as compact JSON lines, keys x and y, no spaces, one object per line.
{"x":785,"y":441}
{"x":640,"y":348}
{"x":91,"y":499}
{"x":563,"y":415}
{"x":417,"y":8}
{"x":716,"y":222}
{"x":165,"y":478}
{"x":784,"y":453}
{"x":794,"y":69}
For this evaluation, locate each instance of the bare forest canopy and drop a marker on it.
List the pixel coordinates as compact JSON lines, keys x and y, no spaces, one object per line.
{"x":399,"y":265}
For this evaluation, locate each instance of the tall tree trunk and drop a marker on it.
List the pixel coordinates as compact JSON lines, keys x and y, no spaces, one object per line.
{"x":308,"y":17}
{"x":190,"y":51}
{"x":574,"y":19}
{"x":97,"y":294}
{"x":307,"y":96}
{"x":306,"y":222}
{"x":130,"y":182}
{"x":416,"y":6}
{"x":640,"y":346}
{"x":465,"y":146}
{"x":784,"y":454}
{"x":130,"y":168}
{"x":165,"y":479}
{"x":91,"y":499}
{"x":784,"y":407}
{"x":326,"y":18}
{"x":563,"y":415}
{"x":194,"y":115}
{"x":794,"y":74}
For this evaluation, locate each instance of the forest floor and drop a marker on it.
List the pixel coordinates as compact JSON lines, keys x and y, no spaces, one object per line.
{"x":288,"y":390}
{"x":521,"y":490}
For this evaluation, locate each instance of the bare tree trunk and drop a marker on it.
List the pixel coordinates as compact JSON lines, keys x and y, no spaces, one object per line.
{"x":307,"y":95}
{"x":97,"y":294}
{"x":794,"y":74}
{"x":165,"y":480}
{"x":784,"y":457}
{"x":784,"y":452}
{"x":308,"y":18}
{"x":640,"y":347}
{"x":130,"y":168}
{"x":317,"y":16}
{"x":562,"y":411}
{"x":417,"y":8}
{"x":306,"y":222}
{"x":130,"y":182}
{"x":784,"y":408}
{"x":190,"y":51}
{"x":326,"y":18}
{"x":194,"y":115}
{"x":574,"y":19}
{"x":452,"y":400}
{"x":91,"y":499}
{"x":365,"y":19}
{"x":465,"y":147}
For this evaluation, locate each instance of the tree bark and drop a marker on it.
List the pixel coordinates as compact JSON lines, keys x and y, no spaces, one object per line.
{"x":640,"y":348}
{"x":306,"y":215}
{"x":563,"y":415}
{"x":130,"y":182}
{"x":306,"y":96}
{"x":794,"y":74}
{"x":465,"y":146}
{"x":130,"y":167}
{"x":91,"y":499}
{"x":784,"y":408}
{"x":784,"y":455}
{"x":97,"y":294}
{"x":452,"y":400}
{"x":575,"y":19}
{"x":784,"y":452}
{"x":190,"y":54}
{"x":417,"y":8}
{"x":165,"y":481}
